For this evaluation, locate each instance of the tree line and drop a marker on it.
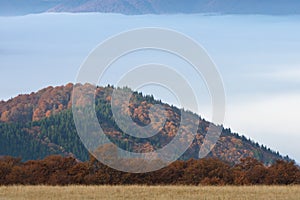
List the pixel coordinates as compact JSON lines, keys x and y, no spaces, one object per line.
{"x":34,"y":137}
{"x":58,"y":170}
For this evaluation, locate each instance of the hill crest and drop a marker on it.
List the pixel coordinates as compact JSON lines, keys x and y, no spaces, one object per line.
{"x":42,"y":123}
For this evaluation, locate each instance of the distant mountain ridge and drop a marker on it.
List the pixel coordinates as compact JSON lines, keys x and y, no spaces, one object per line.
{"x":137,"y":7}
{"x":40,"y":124}
{"x":23,"y":7}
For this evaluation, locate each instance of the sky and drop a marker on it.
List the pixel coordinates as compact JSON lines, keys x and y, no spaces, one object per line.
{"x":257,"y":57}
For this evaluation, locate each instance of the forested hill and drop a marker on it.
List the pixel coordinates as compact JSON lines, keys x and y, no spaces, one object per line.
{"x":136,"y":7}
{"x":39,"y":124}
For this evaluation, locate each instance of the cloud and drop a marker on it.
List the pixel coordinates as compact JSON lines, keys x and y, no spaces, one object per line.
{"x":276,"y":114}
{"x":272,"y":120}
{"x":292,"y":75}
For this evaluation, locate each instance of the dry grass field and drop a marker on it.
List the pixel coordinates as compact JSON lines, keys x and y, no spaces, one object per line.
{"x":150,"y":192}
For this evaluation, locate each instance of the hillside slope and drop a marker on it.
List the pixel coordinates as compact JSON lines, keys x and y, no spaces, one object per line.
{"x":40,"y":124}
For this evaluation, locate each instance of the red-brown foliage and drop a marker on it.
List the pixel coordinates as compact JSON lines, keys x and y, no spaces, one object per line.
{"x":57,"y":170}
